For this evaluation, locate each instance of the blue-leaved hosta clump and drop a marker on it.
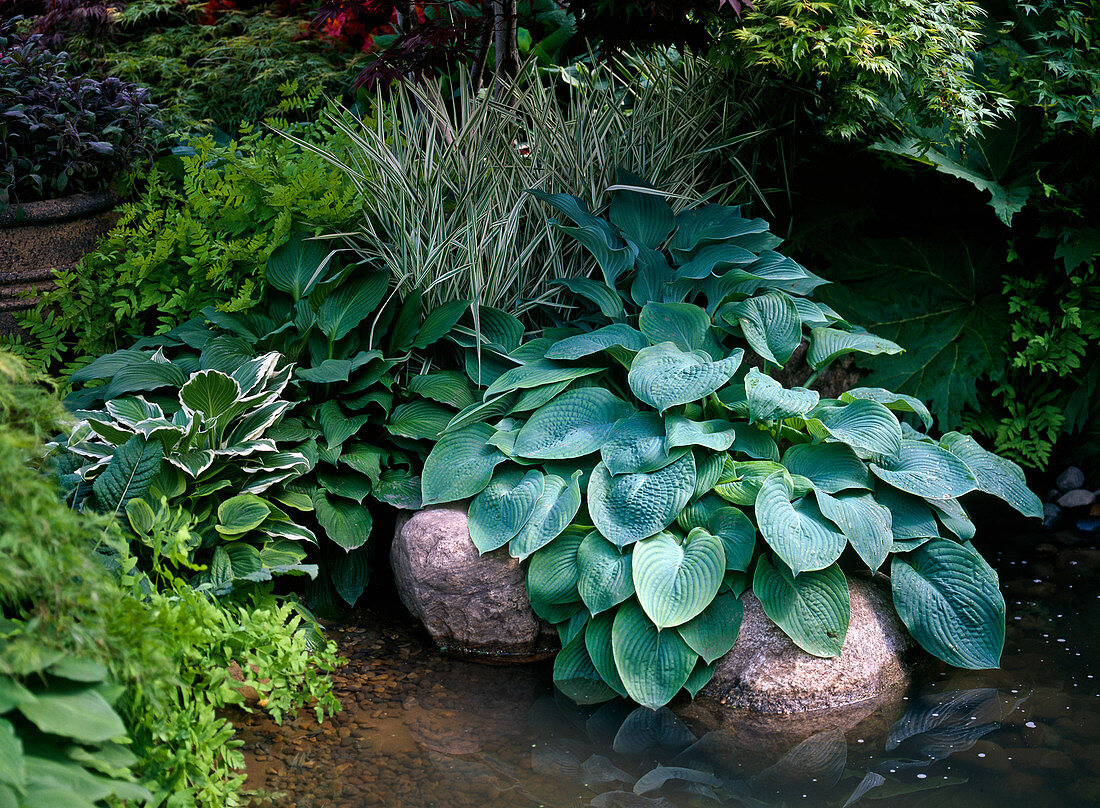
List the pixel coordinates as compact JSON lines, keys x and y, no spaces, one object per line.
{"x":650,"y":476}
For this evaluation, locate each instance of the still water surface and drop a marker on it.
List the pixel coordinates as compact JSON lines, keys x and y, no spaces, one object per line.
{"x":423,"y":730}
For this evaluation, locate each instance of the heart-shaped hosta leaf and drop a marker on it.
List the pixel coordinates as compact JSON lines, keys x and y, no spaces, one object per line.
{"x":605,"y":574}
{"x":445,"y":386}
{"x":866,"y":524}
{"x":770,"y":323}
{"x":995,"y":475}
{"x":675,"y":583}
{"x":582,"y":345}
{"x":911,"y":518}
{"x":716,"y":435}
{"x":460,"y":465}
{"x":741,"y":480}
{"x":832,"y":467}
{"x":553,"y":512}
{"x":637,"y":445}
{"x":644,"y":218}
{"x":345,"y":522}
{"x":770,"y":401}
{"x":664,"y":376}
{"x":597,"y":639}
{"x":812,"y":609}
{"x":826,"y":344}
{"x":653,"y":664}
{"x":709,"y":468}
{"x":698,"y":512}
{"x":419,"y":420}
{"x":899,"y":402}
{"x":536,"y":373}
{"x":713,"y":632}
{"x":864,"y":425}
{"x":210,"y":392}
{"x":553,"y":571}
{"x":711,"y":223}
{"x":949,"y":599}
{"x":241,"y":514}
{"x":683,"y":324}
{"x":631,"y":507}
{"x":737,"y":534}
{"x":298,"y":265}
{"x":351,"y":303}
{"x":576,"y":676}
{"x":500,"y":512}
{"x":715,"y":258}
{"x":927,"y":470}
{"x":614,"y":255}
{"x":797,"y":532}
{"x":574,"y":424}
{"x":751,"y":440}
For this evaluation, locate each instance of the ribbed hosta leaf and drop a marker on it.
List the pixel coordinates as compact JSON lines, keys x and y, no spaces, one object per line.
{"x":574,"y":424}
{"x":738,"y":536}
{"x":460,"y":465}
{"x":645,"y":219}
{"x":995,"y":475}
{"x":770,"y":323}
{"x":612,"y":253}
{"x":713,"y":633}
{"x":832,"y":467}
{"x":576,"y":676}
{"x":716,"y":435}
{"x":949,"y":599}
{"x":605,"y":298}
{"x":826,"y":344}
{"x":653,"y":664}
{"x":597,"y":639}
{"x":899,"y":402}
{"x":631,"y":507}
{"x":445,"y":386}
{"x":419,"y":420}
{"x":683,"y":324}
{"x":129,"y":474}
{"x":770,"y":401}
{"x":714,"y":258}
{"x":500,"y":512}
{"x":537,"y":373}
{"x":676,"y":582}
{"x":240,"y":514}
{"x":911,"y":518}
{"x":637,"y":445}
{"x":813,"y":609}
{"x":751,"y":440}
{"x":797,"y":531}
{"x":582,"y":345}
{"x":553,"y":512}
{"x":741,"y":480}
{"x":663,"y":376}
{"x":210,"y":392}
{"x":953,"y":516}
{"x":927,"y":470}
{"x":606,"y":577}
{"x":298,"y":265}
{"x":867,"y":524}
{"x":698,"y":512}
{"x":700,"y":676}
{"x":711,"y":223}
{"x":553,"y":571}
{"x":864,"y":425}
{"x":709,"y":467}
{"x":351,"y":303}
{"x":346,"y":523}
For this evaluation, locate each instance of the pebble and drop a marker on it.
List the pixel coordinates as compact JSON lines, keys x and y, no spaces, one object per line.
{"x":1069,"y":479}
{"x":1089,"y":526}
{"x":1077,"y":498}
{"x":1053,"y":518}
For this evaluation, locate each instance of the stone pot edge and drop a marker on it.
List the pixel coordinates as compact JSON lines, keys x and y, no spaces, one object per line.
{"x":46,"y":211}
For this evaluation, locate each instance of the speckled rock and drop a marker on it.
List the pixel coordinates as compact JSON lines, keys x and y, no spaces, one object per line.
{"x":1077,"y":498}
{"x":767,"y":673}
{"x":468,"y":602}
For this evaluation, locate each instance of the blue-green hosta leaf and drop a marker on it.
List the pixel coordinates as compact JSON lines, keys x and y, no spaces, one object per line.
{"x":490,"y":327}
{"x":574,"y":626}
{"x":400,"y":489}
{"x":631,"y":507}
{"x":709,"y":467}
{"x":813,"y":608}
{"x":597,"y":639}
{"x":698,"y":512}
{"x":537,"y":373}
{"x":867,"y":524}
{"x":344,"y":522}
{"x":582,"y":345}
{"x":419,"y":420}
{"x":741,"y":480}
{"x":240,"y":514}
{"x":552,"y":572}
{"x":898,"y":402}
{"x":754,"y":442}
{"x":675,"y":582}
{"x":664,"y":376}
{"x":644,"y":218}
{"x":816,"y":314}
{"x":995,"y":475}
{"x":574,"y":424}
{"x":954,"y":517}
{"x":738,"y":536}
{"x":439,"y":322}
{"x":637,"y":445}
{"x":700,"y":676}
{"x":684,"y":325}
{"x":770,"y":323}
{"x":949,"y":599}
{"x":129,"y":474}
{"x":864,"y":425}
{"x":298,"y":265}
{"x":605,"y":574}
{"x":652,"y":664}
{"x":709,"y":224}
{"x":351,"y":575}
{"x":652,"y":280}
{"x":713,"y":632}
{"x":911,"y":518}
{"x":445,"y":386}
{"x":481,"y":411}
{"x":826,"y":344}
{"x":576,"y":676}
{"x":605,"y":298}
{"x":717,"y":435}
{"x":460,"y":465}
{"x":832,"y":467}
{"x":797,"y":531}
{"x":769,"y":400}
{"x":351,"y":303}
{"x":536,"y":397}
{"x":553,"y":512}
{"x":927,"y":470}
{"x":714,"y":259}
{"x":614,"y":255}
{"x":500,"y":512}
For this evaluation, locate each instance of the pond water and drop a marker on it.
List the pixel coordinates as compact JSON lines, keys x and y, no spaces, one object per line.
{"x":424,"y":730}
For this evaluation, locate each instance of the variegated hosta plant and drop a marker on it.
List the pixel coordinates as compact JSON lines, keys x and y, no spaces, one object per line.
{"x":650,"y":475}
{"x":203,"y":447}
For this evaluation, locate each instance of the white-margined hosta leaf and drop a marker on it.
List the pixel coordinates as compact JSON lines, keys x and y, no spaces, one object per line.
{"x":553,"y":512}
{"x":605,"y":573}
{"x":684,"y":325}
{"x":553,"y":572}
{"x":826,"y":344}
{"x":132,"y":410}
{"x":713,"y":632}
{"x":460,"y":465}
{"x":664,"y":376}
{"x":797,"y":531}
{"x":995,"y":475}
{"x":582,"y":345}
{"x":927,"y":470}
{"x":737,"y":534}
{"x":675,"y":582}
{"x":576,"y":423}
{"x":832,"y":467}
{"x":769,"y":400}
{"x":949,"y":599}
{"x":631,"y":507}
{"x":866,"y":426}
{"x":637,"y":445}
{"x":867,"y":524}
{"x":209,"y":393}
{"x":502,"y":510}
{"x":898,"y":402}
{"x":770,"y":323}
{"x":715,"y":434}
{"x":652,"y":664}
{"x":813,"y":608}
{"x":240,"y":514}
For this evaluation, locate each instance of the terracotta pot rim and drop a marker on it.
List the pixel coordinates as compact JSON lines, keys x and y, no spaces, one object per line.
{"x":58,"y":210}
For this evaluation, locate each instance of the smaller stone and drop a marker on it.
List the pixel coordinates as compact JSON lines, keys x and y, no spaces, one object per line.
{"x":1077,"y":498}
{"x":1052,"y":516}
{"x":1052,"y":495}
{"x":1089,"y":526}
{"x":1069,"y":479}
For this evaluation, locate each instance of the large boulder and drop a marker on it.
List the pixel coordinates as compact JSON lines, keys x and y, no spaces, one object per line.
{"x":468,"y":602}
{"x":767,"y":673}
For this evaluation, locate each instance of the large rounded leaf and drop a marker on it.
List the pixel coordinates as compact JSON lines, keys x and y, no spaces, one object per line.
{"x":949,"y":599}
{"x":741,"y":480}
{"x":209,"y":392}
{"x":553,"y":571}
{"x":597,"y":639}
{"x":826,"y":344}
{"x":631,"y":507}
{"x":813,"y":608}
{"x":582,"y":345}
{"x":664,"y":376}
{"x":500,"y":512}
{"x":653,"y":664}
{"x":537,"y":373}
{"x":240,"y":514}
{"x":771,"y":325}
{"x":605,"y":578}
{"x":574,"y":424}
{"x":927,"y":470}
{"x":577,"y":677}
{"x":911,"y":519}
{"x":995,"y":475}
{"x":737,"y":534}
{"x":683,"y":324}
{"x":716,"y":435}
{"x":769,"y":400}
{"x":895,"y":401}
{"x":637,"y":445}
{"x":553,"y":512}
{"x":862,"y":424}
{"x":866,"y":524}
{"x":346,"y":523}
{"x":832,"y":467}
{"x":460,"y":465}
{"x":675,"y":583}
{"x":714,"y":632}
{"x":797,"y":532}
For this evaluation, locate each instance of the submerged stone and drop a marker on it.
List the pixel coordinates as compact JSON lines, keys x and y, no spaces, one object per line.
{"x":1069,"y":479}
{"x":1077,"y":498}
